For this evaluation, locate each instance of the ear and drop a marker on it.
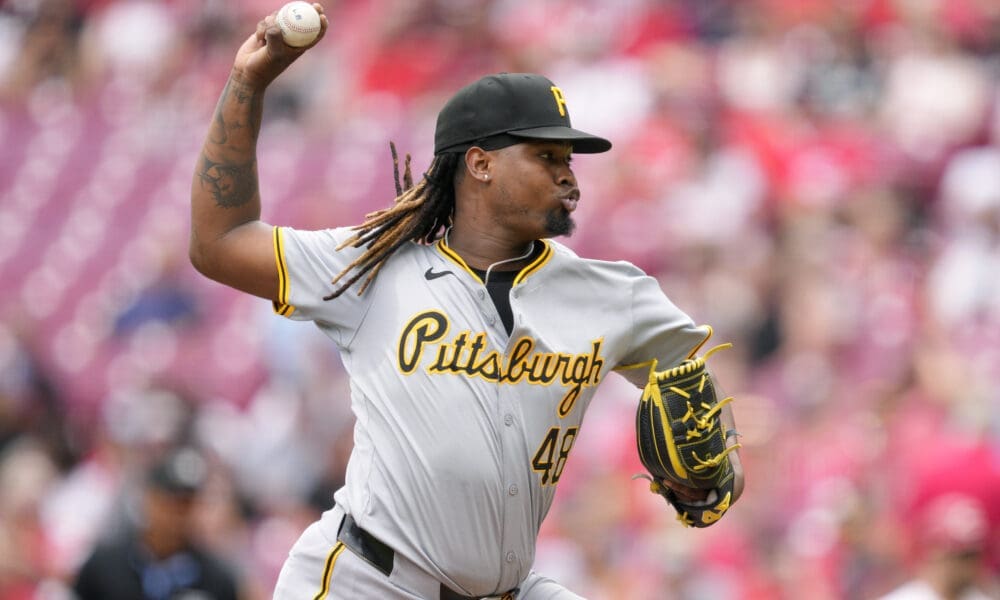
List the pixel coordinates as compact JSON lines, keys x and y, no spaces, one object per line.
{"x":477,"y":163}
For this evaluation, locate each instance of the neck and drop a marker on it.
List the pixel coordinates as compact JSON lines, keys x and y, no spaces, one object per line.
{"x":482,"y":251}
{"x":162,"y":545}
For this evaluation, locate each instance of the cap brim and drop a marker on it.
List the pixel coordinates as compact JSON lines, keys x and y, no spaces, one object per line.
{"x":583,"y":142}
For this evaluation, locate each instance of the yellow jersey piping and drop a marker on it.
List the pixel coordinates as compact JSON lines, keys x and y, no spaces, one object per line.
{"x":532,"y":267}
{"x":331,"y":560}
{"x":536,"y":264}
{"x":281,"y":305}
{"x":455,"y":258}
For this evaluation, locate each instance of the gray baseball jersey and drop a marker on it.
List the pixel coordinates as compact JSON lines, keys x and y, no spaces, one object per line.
{"x":463,"y":430}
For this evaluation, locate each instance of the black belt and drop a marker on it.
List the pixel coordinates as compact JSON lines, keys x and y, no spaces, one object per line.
{"x":366,"y":546}
{"x":381,"y":556}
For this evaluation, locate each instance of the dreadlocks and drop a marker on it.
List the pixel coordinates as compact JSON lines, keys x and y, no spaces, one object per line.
{"x":418,"y":214}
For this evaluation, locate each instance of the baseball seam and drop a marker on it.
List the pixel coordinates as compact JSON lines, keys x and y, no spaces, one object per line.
{"x":297,"y":28}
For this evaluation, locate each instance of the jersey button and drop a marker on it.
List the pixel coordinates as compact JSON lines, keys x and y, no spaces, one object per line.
{"x":508,"y":420}
{"x":491,"y":320}
{"x":510,"y":557}
{"x":512,"y":490}
{"x":482,"y":294}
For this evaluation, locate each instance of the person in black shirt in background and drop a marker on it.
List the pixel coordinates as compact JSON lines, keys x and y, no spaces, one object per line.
{"x":155,"y":557}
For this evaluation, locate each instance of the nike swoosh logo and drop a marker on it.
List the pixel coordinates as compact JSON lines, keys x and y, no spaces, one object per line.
{"x":430,"y":274}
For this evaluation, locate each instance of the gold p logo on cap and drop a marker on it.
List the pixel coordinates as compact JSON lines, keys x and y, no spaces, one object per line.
{"x":560,"y":101}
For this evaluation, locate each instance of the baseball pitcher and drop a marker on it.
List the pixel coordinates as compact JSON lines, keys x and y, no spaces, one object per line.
{"x":474,"y":341}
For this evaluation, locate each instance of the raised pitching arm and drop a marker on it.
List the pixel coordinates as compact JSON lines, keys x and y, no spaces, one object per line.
{"x":228,"y":242}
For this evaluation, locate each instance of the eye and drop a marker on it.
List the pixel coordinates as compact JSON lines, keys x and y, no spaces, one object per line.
{"x":550,"y":156}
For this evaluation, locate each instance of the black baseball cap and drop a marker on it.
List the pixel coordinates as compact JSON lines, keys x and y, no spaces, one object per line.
{"x":181,"y":472}
{"x":505,"y":109}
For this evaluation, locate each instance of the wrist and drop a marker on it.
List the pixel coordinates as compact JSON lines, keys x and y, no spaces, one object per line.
{"x":246,"y":82}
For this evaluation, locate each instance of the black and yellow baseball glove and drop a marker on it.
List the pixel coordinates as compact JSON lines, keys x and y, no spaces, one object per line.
{"x":682,"y":440}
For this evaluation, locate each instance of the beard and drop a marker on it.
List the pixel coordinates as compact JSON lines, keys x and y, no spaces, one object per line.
{"x":559,"y":222}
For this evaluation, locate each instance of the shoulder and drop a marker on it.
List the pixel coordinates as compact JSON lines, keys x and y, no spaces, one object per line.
{"x":619,"y":271}
{"x":101,"y":574}
{"x":332,"y":249}
{"x":218,"y":575}
{"x":333,"y":236}
{"x":109,"y":551}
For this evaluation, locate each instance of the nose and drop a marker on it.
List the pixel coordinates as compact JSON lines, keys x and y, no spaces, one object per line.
{"x":565,"y":177}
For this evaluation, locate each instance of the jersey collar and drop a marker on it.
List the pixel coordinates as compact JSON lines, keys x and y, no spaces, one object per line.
{"x":543,"y":257}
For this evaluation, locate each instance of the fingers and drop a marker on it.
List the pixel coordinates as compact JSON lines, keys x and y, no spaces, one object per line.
{"x":324,"y":24}
{"x":272,"y":36}
{"x":265,"y":55}
{"x":258,"y":35}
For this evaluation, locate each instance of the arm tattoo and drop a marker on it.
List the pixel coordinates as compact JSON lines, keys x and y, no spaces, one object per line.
{"x":241,"y":95}
{"x":231,"y":185}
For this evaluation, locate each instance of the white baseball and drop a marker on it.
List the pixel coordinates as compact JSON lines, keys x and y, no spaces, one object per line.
{"x":299,"y":23}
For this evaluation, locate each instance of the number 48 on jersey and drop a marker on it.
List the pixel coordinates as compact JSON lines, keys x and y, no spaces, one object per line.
{"x":551,"y":456}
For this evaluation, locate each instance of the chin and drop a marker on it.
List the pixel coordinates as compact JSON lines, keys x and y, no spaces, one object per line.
{"x":559,"y":223}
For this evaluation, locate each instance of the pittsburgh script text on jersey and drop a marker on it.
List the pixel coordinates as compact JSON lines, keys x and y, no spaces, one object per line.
{"x":464,"y":354}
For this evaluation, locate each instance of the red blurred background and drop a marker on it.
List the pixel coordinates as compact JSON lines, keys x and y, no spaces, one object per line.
{"x":820,"y":181}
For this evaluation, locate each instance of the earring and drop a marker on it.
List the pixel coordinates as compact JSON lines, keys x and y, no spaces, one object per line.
{"x":486,"y":177}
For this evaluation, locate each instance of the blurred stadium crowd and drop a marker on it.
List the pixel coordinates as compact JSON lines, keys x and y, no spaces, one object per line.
{"x":820,"y":181}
